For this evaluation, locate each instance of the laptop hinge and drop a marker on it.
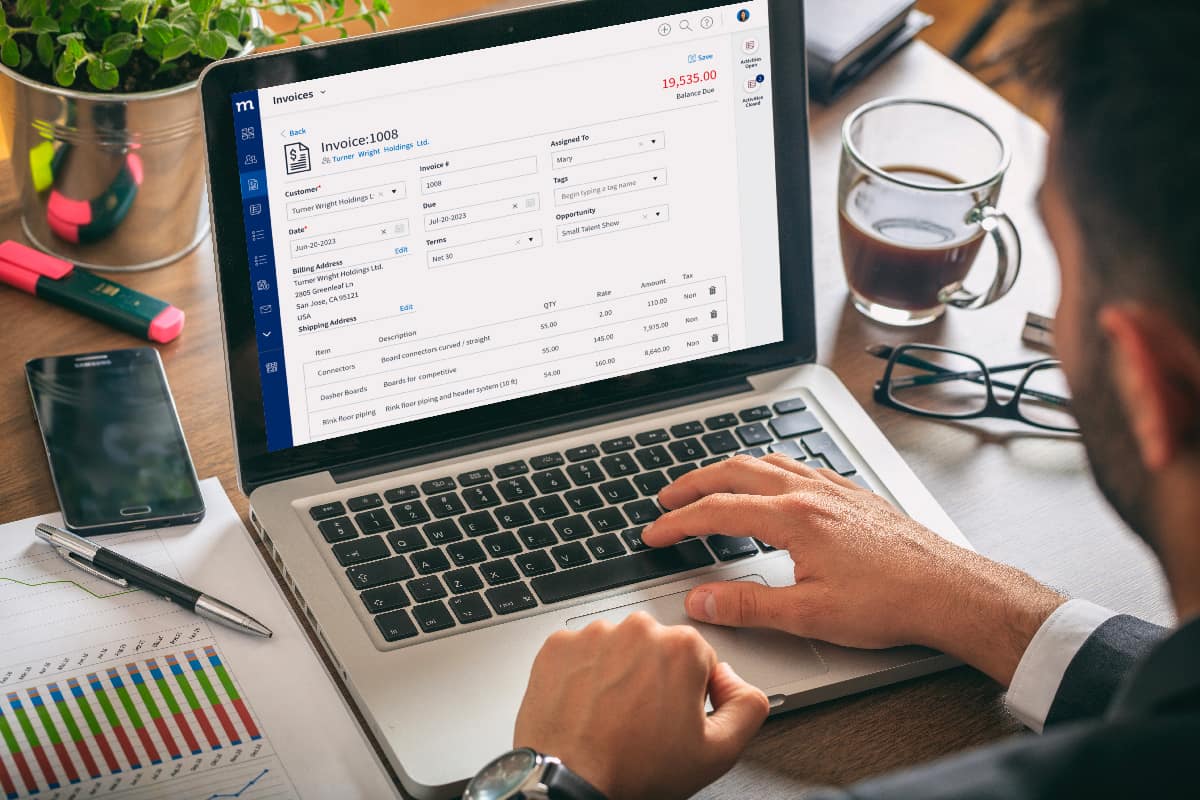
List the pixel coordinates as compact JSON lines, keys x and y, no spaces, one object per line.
{"x":539,"y":429}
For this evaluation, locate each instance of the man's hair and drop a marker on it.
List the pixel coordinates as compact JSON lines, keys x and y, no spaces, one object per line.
{"x":1125,"y":75}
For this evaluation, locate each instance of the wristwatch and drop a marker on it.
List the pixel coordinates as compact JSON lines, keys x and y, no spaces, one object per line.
{"x":526,"y":774}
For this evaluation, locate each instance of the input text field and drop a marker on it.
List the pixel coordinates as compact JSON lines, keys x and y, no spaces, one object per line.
{"x":346,"y":201}
{"x":472,"y":176}
{"x":565,"y":195}
{"x":615,"y":148}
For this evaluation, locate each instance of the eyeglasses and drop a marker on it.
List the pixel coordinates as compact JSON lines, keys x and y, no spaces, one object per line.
{"x":940,"y":383}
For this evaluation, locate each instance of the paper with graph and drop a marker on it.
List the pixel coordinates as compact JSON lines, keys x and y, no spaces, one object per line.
{"x":107,"y":692}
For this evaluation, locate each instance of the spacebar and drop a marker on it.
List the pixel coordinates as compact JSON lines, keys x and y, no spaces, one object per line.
{"x":623,"y":571}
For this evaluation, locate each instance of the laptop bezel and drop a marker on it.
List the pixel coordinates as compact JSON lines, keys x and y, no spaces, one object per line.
{"x":257,"y":465}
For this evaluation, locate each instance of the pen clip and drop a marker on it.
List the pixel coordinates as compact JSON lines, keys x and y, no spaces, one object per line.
{"x":92,"y":569}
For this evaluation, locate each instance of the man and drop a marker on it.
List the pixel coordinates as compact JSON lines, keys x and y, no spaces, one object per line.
{"x":1120,"y":699}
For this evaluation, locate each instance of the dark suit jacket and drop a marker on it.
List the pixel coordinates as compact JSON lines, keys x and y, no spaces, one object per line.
{"x":1124,"y":723}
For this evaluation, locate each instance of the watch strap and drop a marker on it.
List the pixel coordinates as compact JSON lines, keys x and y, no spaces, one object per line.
{"x":563,"y":784}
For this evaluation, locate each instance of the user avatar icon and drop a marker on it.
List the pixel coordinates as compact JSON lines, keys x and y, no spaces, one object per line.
{"x":743,"y":15}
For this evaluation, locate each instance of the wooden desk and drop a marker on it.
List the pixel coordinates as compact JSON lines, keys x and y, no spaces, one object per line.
{"x":1021,"y":498}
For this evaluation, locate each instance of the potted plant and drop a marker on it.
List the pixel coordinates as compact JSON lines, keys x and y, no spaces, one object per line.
{"x":100,"y":108}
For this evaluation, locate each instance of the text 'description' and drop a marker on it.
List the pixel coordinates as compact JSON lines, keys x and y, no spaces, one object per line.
{"x":350,"y":237}
{"x":473,"y":251}
{"x":653,"y":179}
{"x":614,"y":223}
{"x":616,"y":148}
{"x":473,"y":176}
{"x":346,"y":201}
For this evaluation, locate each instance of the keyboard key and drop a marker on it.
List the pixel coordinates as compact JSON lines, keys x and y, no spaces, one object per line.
{"x":583,"y":499}
{"x":395,"y":625}
{"x":410,"y":513}
{"x":653,"y":457}
{"x":795,"y":424}
{"x":551,"y":481}
{"x":469,"y":608}
{"x":728,"y":548}
{"x":766,"y":548}
{"x":675,"y":473}
{"x":514,"y":516}
{"x":706,"y":462}
{"x":430,"y":561}
{"x":433,"y":617}
{"x":474,"y":476}
{"x":756,"y":452}
{"x":720,"y":442}
{"x":607,"y":519}
{"x":423,"y":589}
{"x":720,"y":421}
{"x":548,"y":507}
{"x":365,"y":502}
{"x":443,"y":531}
{"x":575,"y":527}
{"x":478,"y":497}
{"x":468,"y":552}
{"x":570,"y":554}
{"x":822,"y":444}
{"x":651,"y":483}
{"x":385,"y":598}
{"x":376,"y":521}
{"x":619,"y":466}
{"x":438,"y":485}
{"x":499,"y":571}
{"x":446,"y":505}
{"x":401,"y":494}
{"x":642,"y":512}
{"x":687,"y":429}
{"x":754,"y":414}
{"x":326,"y":510}
{"x":511,"y":469}
{"x":585,"y":473}
{"x":605,"y":546}
{"x":532,"y":564}
{"x":377,"y":573}
{"x":620,"y":491}
{"x":687,"y":450}
{"x":547,"y":461}
{"x":463,"y":580}
{"x":790,"y":405}
{"x":617,"y":445}
{"x":511,"y":599}
{"x":633,"y":539}
{"x":789,"y":447}
{"x":478,"y":524}
{"x":337,"y":530}
{"x":816,"y":463}
{"x":583,"y":453}
{"x":406,"y":540}
{"x":356,"y":552}
{"x":652,"y":437}
{"x":753,"y":434}
{"x":861,"y":481}
{"x":536,"y":536}
{"x":515,"y":489}
{"x":612,"y":573}
{"x":501,"y":544}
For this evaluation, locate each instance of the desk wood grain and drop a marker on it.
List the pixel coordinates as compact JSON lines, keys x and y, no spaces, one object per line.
{"x":1021,"y":498}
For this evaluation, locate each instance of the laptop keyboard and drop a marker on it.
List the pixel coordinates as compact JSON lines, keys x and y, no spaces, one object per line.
{"x":496,"y":540}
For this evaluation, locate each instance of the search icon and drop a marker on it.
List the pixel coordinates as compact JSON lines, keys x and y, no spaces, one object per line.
{"x":685,"y":25}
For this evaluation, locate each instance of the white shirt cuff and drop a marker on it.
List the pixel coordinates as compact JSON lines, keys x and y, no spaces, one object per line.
{"x":1045,"y":661}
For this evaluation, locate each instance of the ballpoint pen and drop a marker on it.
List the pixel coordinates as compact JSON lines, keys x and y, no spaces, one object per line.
{"x":117,"y":569}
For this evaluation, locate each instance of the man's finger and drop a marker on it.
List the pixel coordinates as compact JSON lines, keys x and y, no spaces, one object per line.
{"x":739,"y":604}
{"x":738,"y":475}
{"x":738,"y":712}
{"x":730,"y":514}
{"x":806,"y":469}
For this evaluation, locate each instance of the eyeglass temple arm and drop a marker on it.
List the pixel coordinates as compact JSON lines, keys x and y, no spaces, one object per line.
{"x":944,"y":375}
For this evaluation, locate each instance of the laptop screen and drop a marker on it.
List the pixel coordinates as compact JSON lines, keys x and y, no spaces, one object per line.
{"x":452,"y":232}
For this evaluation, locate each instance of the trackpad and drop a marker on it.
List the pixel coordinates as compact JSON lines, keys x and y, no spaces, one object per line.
{"x":764,"y":658}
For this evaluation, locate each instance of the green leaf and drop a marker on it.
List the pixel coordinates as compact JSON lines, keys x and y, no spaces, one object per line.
{"x":372,"y":23}
{"x":383,"y":7}
{"x":158,"y":32}
{"x":3,"y":16}
{"x":118,"y":41}
{"x":10,"y":53}
{"x":119,"y":58}
{"x":45,"y":49}
{"x":227,"y":22}
{"x":180,"y":45}
{"x":186,"y":23}
{"x":64,"y":73}
{"x":131,"y":10}
{"x":200,"y":7}
{"x":43,"y":25}
{"x":5,"y":34}
{"x":261,"y":37}
{"x":212,"y":44}
{"x":102,"y":74}
{"x":76,"y":50}
{"x":63,"y":38}
{"x":26,"y":57}
{"x":305,"y":39}
{"x":98,"y":28}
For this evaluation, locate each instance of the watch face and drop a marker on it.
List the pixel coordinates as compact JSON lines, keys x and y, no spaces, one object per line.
{"x":503,"y":776}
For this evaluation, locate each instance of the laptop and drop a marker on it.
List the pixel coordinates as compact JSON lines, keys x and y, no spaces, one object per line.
{"x":487,"y":286}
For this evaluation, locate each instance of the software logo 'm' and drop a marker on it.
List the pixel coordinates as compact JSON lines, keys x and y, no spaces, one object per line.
{"x":243,"y":105}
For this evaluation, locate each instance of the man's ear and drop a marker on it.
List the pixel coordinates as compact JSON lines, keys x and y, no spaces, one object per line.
{"x":1156,"y":369}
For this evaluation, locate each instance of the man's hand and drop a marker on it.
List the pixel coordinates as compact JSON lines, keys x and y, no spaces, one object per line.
{"x":866,"y":575}
{"x":623,"y":707}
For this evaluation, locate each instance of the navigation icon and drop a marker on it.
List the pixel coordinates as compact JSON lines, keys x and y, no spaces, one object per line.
{"x":297,"y":158}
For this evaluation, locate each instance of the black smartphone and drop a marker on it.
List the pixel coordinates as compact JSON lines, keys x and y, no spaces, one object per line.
{"x":117,"y":453}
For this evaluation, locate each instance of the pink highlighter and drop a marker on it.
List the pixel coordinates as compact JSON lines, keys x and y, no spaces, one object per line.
{"x":64,"y":283}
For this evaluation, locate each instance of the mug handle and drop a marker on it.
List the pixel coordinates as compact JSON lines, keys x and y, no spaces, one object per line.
{"x":1008,"y":261}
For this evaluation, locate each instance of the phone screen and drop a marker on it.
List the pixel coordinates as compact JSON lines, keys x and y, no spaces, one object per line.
{"x":117,"y":452}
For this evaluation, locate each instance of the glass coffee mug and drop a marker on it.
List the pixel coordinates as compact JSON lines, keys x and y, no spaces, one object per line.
{"x":917,"y":196}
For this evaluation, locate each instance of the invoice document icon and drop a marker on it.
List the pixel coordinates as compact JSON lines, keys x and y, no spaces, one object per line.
{"x":296,"y":155}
